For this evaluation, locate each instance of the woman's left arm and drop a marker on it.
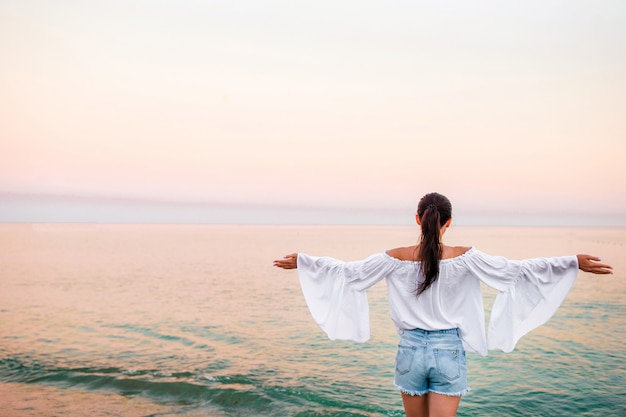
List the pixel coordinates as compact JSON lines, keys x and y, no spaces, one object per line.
{"x":334,"y":291}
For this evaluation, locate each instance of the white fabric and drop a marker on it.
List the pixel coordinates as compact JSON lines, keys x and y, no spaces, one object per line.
{"x":530,"y":292}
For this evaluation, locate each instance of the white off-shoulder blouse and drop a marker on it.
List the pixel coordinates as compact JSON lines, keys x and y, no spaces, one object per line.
{"x":530,"y":292}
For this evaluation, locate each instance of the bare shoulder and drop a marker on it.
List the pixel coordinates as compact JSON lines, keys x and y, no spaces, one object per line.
{"x":409,"y":253}
{"x":406,"y":253}
{"x":462,"y":249}
{"x":459,"y":250}
{"x":454,"y":251}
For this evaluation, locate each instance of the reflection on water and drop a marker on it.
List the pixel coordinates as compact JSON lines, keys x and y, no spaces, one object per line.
{"x":194,"y":320}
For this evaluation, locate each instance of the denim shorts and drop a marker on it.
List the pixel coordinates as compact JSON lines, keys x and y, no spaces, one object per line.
{"x":431,"y":361}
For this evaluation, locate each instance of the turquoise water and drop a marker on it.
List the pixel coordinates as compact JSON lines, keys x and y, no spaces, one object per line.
{"x":194,"y":320}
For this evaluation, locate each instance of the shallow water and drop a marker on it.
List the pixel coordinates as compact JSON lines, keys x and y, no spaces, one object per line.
{"x":128,"y":320}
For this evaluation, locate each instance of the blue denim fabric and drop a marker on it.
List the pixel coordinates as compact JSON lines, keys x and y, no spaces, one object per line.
{"x":431,"y":361}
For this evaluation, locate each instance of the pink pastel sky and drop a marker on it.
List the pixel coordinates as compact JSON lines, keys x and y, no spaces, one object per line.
{"x":515,"y":110}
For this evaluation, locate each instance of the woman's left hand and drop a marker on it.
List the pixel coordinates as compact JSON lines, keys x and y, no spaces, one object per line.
{"x":288,"y":262}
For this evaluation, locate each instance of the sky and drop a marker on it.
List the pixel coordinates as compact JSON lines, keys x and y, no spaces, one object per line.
{"x":318,"y":112}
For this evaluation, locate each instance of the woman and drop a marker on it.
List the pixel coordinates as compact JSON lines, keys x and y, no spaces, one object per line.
{"x":436,"y":304}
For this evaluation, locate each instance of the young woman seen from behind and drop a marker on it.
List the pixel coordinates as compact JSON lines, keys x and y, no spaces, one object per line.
{"x":436,"y":304}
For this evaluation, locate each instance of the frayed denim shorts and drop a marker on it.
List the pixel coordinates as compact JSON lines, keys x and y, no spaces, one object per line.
{"x":431,"y":361}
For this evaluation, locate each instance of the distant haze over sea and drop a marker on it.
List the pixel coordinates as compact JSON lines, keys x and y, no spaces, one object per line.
{"x":34,"y":208}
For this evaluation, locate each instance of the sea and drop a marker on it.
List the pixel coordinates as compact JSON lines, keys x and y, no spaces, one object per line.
{"x":193,"y":320}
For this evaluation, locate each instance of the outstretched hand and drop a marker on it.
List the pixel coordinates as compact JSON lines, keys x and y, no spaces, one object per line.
{"x":589,"y":263}
{"x":288,"y":262}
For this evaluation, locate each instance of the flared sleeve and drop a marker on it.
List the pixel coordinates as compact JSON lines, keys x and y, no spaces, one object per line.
{"x":335,"y":293}
{"x":531,"y":291}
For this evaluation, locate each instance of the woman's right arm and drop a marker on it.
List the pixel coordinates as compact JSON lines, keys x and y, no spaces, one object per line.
{"x":531,"y":291}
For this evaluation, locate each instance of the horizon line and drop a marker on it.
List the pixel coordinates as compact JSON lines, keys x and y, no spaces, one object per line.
{"x":103,"y":209}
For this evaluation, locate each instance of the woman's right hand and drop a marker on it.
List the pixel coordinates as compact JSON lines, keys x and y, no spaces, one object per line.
{"x":589,"y":263}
